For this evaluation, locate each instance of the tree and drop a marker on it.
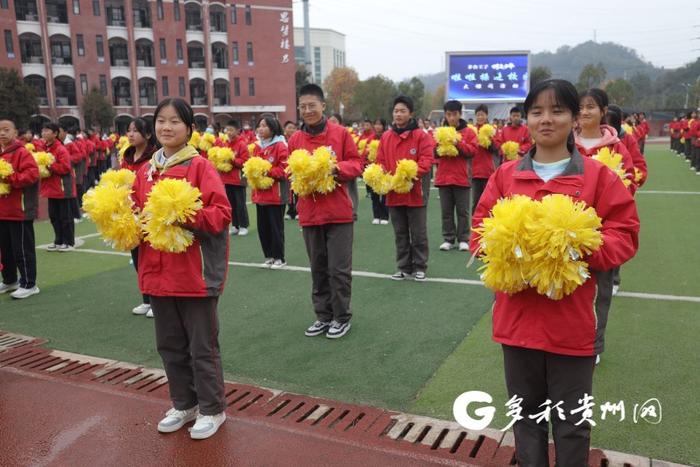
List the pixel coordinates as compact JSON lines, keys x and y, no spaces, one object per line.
{"x":373,"y":97}
{"x":415,"y":89}
{"x":620,"y":92}
{"x":591,"y":76}
{"x":19,"y":100}
{"x":439,"y":97}
{"x":302,"y":76}
{"x":340,"y":88}
{"x":539,"y":73}
{"x":97,"y":110}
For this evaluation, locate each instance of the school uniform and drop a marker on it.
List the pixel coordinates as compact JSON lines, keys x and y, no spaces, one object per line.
{"x":518,"y":134}
{"x":235,"y":183}
{"x":549,"y":346}
{"x":482,"y":168}
{"x":59,"y":189}
{"x":695,"y":145}
{"x":379,"y":209}
{"x":675,"y":133}
{"x":609,"y":139}
{"x":18,"y":209}
{"x":409,"y":211}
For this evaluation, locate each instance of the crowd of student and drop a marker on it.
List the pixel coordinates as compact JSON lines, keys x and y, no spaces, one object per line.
{"x":550,"y":347}
{"x":685,"y":139}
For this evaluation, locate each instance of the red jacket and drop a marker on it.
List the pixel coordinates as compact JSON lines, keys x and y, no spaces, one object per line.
{"x":482,"y":163}
{"x":277,"y":155}
{"x":76,"y":154}
{"x":637,"y":157}
{"x":366,"y":136}
{"x":128,"y":159}
{"x":569,"y":326}
{"x":91,"y":151}
{"x":240,"y":147}
{"x":61,"y":183}
{"x":695,"y":133}
{"x":413,"y":144}
{"x":21,"y":204}
{"x":612,"y":142}
{"x":201,"y":270}
{"x":453,"y":171}
{"x":336,"y":206}
{"x":675,"y":129}
{"x":520,"y":134}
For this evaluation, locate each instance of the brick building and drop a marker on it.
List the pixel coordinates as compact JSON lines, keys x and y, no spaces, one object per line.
{"x":229,"y":60}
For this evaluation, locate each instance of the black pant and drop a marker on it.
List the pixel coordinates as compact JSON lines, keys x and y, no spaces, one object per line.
{"x":271,"y":230}
{"x":536,"y":376}
{"x":292,"y":206}
{"x":478,"y":186}
{"x":61,"y":215}
{"x":91,"y":177}
{"x":17,"y":251}
{"x":411,"y":238}
{"x":379,"y":209}
{"x":135,"y":258}
{"x":239,"y":210}
{"x":187,"y":338}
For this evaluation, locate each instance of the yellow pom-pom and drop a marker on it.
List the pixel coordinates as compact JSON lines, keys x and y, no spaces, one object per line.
{"x":406,"y":172}
{"x":299,"y":168}
{"x":361,"y":145}
{"x":312,"y":173}
{"x":223,"y":137}
{"x":30,"y":147}
{"x":5,"y":189}
{"x":372,"y":151}
{"x":377,"y":179}
{"x":472,"y":127}
{"x":613,"y":161}
{"x":446,"y":138}
{"x":194,"y":139}
{"x":255,"y":170}
{"x":323,"y":166}
{"x":123,"y":142}
{"x":172,"y":202}
{"x":122,"y":150}
{"x":206,"y":141}
{"x":113,"y":137}
{"x":510,"y":150}
{"x":110,"y":207}
{"x":121,"y":177}
{"x":5,"y":169}
{"x":638,"y":175}
{"x":252,"y":148}
{"x":222,"y":158}
{"x":485,"y":135}
{"x":44,"y":160}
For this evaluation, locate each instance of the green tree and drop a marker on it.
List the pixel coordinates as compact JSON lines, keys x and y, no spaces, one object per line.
{"x":19,"y":100}
{"x":340,"y":88}
{"x":592,"y":76}
{"x":97,"y":110}
{"x":620,"y":92}
{"x":539,"y":73}
{"x":373,"y":97}
{"x":415,"y":89}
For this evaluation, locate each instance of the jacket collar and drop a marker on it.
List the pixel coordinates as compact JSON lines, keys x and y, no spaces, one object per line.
{"x":410,"y":126}
{"x":317,"y":129}
{"x":525,"y":169}
{"x":11,"y":147}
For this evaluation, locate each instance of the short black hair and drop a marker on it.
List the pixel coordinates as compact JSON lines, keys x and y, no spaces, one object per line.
{"x":405,"y":100}
{"x":381,"y":121}
{"x":452,"y":106}
{"x":565,"y":95}
{"x":598,"y":95}
{"x":51,"y":126}
{"x":182,"y":108}
{"x":289,"y":122}
{"x":272,"y":123}
{"x":145,"y":128}
{"x":482,"y":108}
{"x":312,"y":90}
{"x":614,"y":117}
{"x":234,"y":123}
{"x":515,"y":109}
{"x":7,"y":118}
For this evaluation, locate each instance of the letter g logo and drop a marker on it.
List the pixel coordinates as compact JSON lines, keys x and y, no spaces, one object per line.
{"x":461,"y":404}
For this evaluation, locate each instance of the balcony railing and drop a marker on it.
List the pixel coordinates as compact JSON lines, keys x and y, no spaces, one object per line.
{"x":43,"y":101}
{"x":33,"y":59}
{"x":220,"y":101}
{"x":199,"y":101}
{"x":123,"y":101}
{"x":62,"y":101}
{"x":197,"y":64}
{"x":121,"y":62}
{"x":61,"y":60}
{"x":148,"y":101}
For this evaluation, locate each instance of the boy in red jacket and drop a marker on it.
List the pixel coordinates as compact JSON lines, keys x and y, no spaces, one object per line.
{"x":482,"y":163}
{"x":327,"y":219}
{"x":452,"y":179}
{"x":18,"y":210}
{"x":59,"y":188}
{"x":517,"y":132}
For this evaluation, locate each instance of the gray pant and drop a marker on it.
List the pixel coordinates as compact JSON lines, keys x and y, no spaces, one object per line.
{"x":187,"y":337}
{"x":455,"y":198}
{"x":411,"y":237}
{"x":354,"y":197}
{"x":329,"y":248}
{"x":478,"y":185}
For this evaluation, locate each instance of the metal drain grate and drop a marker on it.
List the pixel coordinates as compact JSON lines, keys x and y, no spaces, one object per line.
{"x":13,"y":341}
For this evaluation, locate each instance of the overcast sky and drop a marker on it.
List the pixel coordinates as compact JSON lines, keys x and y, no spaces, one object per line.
{"x":402,"y":38}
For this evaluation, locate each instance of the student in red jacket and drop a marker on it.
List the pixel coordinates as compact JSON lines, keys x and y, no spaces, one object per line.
{"x":327,"y":219}
{"x":185,"y":287}
{"x":408,"y":212}
{"x":270,"y":203}
{"x":614,"y":119}
{"x":452,"y":179}
{"x":515,"y":131}
{"x":644,"y":125}
{"x":142,"y":145}
{"x":59,"y":188}
{"x":674,"y":129}
{"x":18,"y":209}
{"x":234,"y":181}
{"x":380,"y":213}
{"x":695,"y":146}
{"x":483,"y":161}
{"x":549,"y":346}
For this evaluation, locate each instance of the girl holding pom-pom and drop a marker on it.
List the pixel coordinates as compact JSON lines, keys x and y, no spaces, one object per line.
{"x":270,"y":203}
{"x":185,"y":287}
{"x":380,"y":213}
{"x":142,"y":145}
{"x":549,"y":346}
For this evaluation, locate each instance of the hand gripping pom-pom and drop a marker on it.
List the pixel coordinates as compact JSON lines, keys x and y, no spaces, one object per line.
{"x":44,"y":160}
{"x":255,"y":170}
{"x":485,"y":135}
{"x":406,"y":172}
{"x":110,"y":207}
{"x":377,"y":179}
{"x":446,"y":138}
{"x":312,"y":173}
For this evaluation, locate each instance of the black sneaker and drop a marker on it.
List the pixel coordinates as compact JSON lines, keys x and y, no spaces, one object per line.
{"x":337,"y":329}
{"x":319,"y":327}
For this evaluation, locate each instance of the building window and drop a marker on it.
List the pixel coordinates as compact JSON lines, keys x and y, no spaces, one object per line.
{"x":166,"y":87}
{"x":249,"y":52}
{"x":176,"y":9}
{"x":181,"y":86}
{"x":178,"y":51}
{"x":81,"y":45}
{"x":317,"y":64}
{"x":234,"y":14}
{"x":248,"y":15}
{"x":100,"y":48}
{"x":103,"y":85}
{"x":235,"y":53}
{"x":163,"y":51}
{"x":76,"y":7}
{"x":251,"y":86}
{"x":9,"y":45}
{"x":83,"y":84}
{"x":4,"y":5}
{"x":96,"y":7}
{"x":236,"y":87}
{"x":159,"y":7}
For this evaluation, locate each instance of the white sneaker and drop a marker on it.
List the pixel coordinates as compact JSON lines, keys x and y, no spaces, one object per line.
{"x":149,"y":313}
{"x":52,"y":247}
{"x":375,"y":221}
{"x":419,"y":276}
{"x":242,"y":232}
{"x":176,"y":419}
{"x":268,"y":262}
{"x":207,"y":425}
{"x":65,"y":248}
{"x":278,"y":264}
{"x":24,"y":293}
{"x":445,"y":246}
{"x":232,"y":230}
{"x":384,"y":222}
{"x":142,"y":309}
{"x":597,"y":359}
{"x":4,"y":288}
{"x":78,"y":220}
{"x":616,"y":289}
{"x":463,"y":246}
{"x":287,"y":217}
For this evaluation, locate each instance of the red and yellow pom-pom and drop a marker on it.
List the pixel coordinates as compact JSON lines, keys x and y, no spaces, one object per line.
{"x":255,"y":170}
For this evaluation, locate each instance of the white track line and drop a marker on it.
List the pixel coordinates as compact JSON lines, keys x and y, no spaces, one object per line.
{"x":440,"y":280}
{"x":82,"y":237}
{"x":657,"y":192}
